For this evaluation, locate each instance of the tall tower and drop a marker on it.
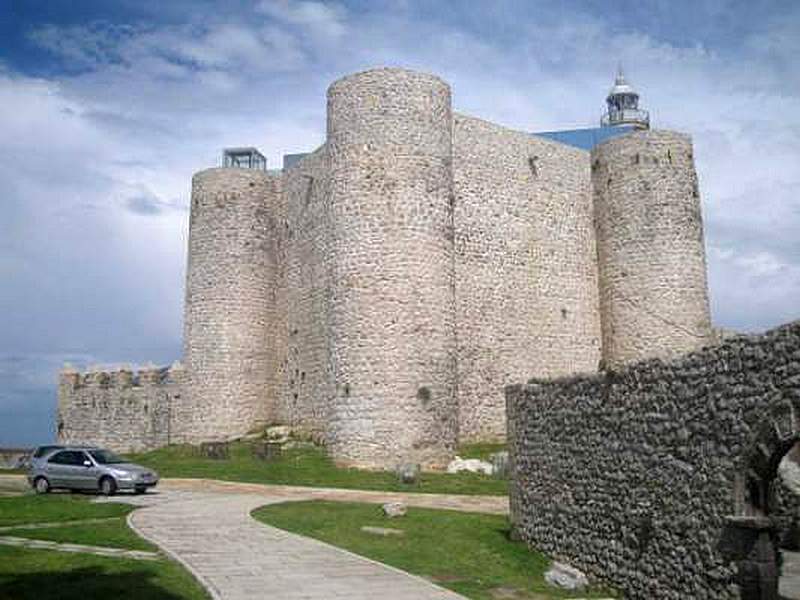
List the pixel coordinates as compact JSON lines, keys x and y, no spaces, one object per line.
{"x":392,"y":303}
{"x":229,"y":324}
{"x":651,"y":259}
{"x":623,"y":105}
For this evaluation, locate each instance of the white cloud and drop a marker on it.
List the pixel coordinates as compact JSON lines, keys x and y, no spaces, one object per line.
{"x":323,"y":20}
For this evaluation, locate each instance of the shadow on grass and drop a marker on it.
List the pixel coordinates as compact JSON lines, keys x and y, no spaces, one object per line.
{"x":82,"y":584}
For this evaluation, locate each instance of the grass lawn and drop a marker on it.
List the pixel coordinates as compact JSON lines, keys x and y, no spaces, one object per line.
{"x":308,"y":466}
{"x":482,"y":451}
{"x":48,"y":575}
{"x":113,"y":534}
{"x":468,"y":553}
{"x":20,"y":510}
{"x":28,"y":574}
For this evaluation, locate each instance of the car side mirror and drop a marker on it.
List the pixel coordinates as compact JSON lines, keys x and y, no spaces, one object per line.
{"x":87,"y":463}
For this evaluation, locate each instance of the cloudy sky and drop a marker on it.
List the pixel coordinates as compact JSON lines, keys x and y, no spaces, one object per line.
{"x":108,"y":107}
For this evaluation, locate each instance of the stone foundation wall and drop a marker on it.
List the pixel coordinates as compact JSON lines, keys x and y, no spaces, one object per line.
{"x":630,"y":475}
{"x":121,"y":410}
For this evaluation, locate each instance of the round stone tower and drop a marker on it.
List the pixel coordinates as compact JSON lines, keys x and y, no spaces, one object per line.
{"x":229,"y":324}
{"x":392,"y":308}
{"x":653,"y":291}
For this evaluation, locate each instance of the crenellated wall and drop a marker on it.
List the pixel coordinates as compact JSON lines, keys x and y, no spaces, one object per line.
{"x":121,"y":409}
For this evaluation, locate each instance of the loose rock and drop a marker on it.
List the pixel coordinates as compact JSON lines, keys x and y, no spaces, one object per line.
{"x":565,"y":576}
{"x":394,"y":509}
{"x":408,"y":473}
{"x":473,"y":465}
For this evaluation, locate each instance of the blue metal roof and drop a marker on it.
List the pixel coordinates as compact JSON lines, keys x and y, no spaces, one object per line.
{"x":586,"y":139}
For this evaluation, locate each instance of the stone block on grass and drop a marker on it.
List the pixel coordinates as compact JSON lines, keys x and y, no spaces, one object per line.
{"x":267,"y":450}
{"x":214,"y":450}
{"x":408,"y":473}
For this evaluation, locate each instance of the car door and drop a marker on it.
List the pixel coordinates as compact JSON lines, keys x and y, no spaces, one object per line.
{"x":72,"y":470}
{"x":57,"y":468}
{"x":85,"y":475}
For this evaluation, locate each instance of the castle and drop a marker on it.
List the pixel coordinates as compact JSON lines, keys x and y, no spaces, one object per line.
{"x":381,"y":291}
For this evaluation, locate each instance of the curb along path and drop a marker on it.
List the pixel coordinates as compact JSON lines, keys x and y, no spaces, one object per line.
{"x":237,"y":558}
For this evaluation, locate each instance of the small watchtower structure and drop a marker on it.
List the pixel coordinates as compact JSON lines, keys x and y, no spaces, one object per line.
{"x":244,"y":158}
{"x":623,"y":106}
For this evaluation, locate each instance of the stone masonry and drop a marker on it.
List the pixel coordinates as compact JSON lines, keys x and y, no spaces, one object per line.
{"x":381,"y":291}
{"x":121,"y":409}
{"x":660,"y":477}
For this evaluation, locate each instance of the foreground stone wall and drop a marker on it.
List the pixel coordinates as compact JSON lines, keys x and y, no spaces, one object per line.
{"x":630,"y":475}
{"x":526,"y":267}
{"x":121,"y":410}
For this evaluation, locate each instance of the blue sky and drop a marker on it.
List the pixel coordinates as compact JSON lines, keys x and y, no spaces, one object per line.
{"x":108,"y":107}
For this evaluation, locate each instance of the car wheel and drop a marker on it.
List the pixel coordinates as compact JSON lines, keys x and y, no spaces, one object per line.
{"x":41,"y":485}
{"x":108,"y":487}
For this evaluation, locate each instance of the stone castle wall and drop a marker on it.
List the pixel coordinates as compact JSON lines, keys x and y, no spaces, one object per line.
{"x":526,"y":267}
{"x":231,"y":323}
{"x":653,"y":292}
{"x":381,"y":291}
{"x":630,"y":475}
{"x":303,"y":399}
{"x":120,"y":409}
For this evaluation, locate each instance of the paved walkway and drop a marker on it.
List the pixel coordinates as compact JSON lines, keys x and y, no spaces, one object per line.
{"x":496,"y":505}
{"x":238,"y":558}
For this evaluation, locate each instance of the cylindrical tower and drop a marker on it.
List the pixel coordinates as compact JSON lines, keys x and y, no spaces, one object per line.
{"x":229,"y":324}
{"x":391,"y":312}
{"x":653,"y":291}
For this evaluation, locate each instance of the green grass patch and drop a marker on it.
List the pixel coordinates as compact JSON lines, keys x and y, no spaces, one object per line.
{"x":47,"y":575}
{"x":469,"y":553}
{"x":112,"y":534}
{"x":306,"y":466}
{"x":20,"y":510}
{"x":481,"y":451}
{"x":52,"y":575}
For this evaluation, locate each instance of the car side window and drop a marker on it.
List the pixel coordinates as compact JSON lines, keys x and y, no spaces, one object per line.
{"x":60,"y":458}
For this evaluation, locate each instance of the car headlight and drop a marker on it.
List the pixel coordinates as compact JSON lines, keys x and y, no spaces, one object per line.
{"x":121,"y":474}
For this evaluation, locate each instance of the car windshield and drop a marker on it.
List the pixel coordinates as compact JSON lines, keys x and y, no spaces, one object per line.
{"x":106,"y":457}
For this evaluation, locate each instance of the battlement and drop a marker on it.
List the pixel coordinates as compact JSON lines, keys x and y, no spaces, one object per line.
{"x":122,"y":376}
{"x":120,"y":408}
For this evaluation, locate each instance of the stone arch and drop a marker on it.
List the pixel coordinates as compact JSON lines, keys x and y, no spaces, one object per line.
{"x":772,"y":441}
{"x":751,"y":537}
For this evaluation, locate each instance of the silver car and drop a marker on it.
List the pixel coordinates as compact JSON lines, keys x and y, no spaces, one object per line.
{"x":86,"y":468}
